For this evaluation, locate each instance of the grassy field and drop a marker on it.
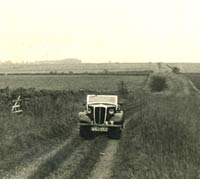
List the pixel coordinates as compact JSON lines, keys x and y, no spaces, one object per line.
{"x":49,"y":113}
{"x":75,"y":68}
{"x":71,"y":82}
{"x":187,"y":67}
{"x":48,"y":118}
{"x":162,"y":140}
{"x":94,"y":67}
{"x":195,"y":78}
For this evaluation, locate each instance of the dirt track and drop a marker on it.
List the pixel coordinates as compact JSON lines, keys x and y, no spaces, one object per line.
{"x":103,"y":168}
{"x":67,"y":159}
{"x":75,"y":158}
{"x":91,"y":159}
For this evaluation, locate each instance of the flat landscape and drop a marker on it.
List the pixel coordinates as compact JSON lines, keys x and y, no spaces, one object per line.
{"x":195,"y":78}
{"x":99,"y":89}
{"x":187,"y":67}
{"x":71,"y":82}
{"x":95,"y":67}
{"x":161,"y":138}
{"x":75,"y":68}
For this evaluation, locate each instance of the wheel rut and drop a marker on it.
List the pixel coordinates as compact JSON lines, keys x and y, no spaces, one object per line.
{"x":69,"y":166}
{"x":103,"y":168}
{"x":53,"y":163}
{"x":34,"y":167}
{"x":75,"y":158}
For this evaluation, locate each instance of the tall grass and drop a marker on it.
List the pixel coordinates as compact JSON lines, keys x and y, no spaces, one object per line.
{"x":162,"y":141}
{"x":158,"y":83}
{"x":48,"y":117}
{"x":195,"y":79}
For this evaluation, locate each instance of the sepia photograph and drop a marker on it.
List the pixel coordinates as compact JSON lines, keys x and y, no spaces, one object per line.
{"x":96,"y":89}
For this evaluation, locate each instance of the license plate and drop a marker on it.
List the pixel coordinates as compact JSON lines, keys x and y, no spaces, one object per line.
{"x":99,"y":129}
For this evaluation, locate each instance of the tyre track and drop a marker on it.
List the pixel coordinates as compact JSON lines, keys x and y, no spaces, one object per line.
{"x":66,"y":161}
{"x":75,"y":158}
{"x":53,"y":163}
{"x":26,"y":172}
{"x":178,"y":85}
{"x":103,"y":168}
{"x":81,"y":160}
{"x":69,"y":166}
{"x":193,"y":86}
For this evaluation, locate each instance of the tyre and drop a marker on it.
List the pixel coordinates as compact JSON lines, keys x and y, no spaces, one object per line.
{"x":114,"y":133}
{"x":85,"y":132}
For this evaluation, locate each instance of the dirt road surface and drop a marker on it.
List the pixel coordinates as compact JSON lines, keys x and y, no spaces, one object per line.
{"x":103,"y":169}
{"x":70,"y":165}
{"x":23,"y":172}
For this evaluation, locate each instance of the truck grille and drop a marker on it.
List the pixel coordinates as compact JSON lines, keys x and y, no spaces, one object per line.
{"x":99,"y":114}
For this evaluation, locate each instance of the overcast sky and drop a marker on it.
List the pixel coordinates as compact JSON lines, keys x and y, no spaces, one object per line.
{"x":100,"y":30}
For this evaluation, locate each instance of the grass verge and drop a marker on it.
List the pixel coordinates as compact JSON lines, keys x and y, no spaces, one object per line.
{"x":162,"y":141}
{"x":86,"y":165}
{"x":48,"y":118}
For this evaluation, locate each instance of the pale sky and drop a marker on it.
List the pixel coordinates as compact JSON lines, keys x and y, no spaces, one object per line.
{"x":100,"y":30}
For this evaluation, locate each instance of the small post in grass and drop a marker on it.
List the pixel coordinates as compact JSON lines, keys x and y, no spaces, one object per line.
{"x":16,"y":108}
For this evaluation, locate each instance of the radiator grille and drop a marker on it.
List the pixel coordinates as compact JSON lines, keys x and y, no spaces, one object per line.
{"x":100,"y":113}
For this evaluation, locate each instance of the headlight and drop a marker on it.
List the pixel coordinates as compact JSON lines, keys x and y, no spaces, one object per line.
{"x":89,"y":111}
{"x":111,"y":111}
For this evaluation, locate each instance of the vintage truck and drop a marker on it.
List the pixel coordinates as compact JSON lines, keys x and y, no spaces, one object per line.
{"x":102,"y":114}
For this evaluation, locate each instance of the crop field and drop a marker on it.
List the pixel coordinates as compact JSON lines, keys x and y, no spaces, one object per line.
{"x":94,"y":67}
{"x":75,"y":68}
{"x":71,"y":82}
{"x":187,"y":67}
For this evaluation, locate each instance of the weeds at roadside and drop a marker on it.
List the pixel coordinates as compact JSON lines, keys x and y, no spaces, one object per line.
{"x":48,"y":118}
{"x":158,"y":83}
{"x":162,"y":141}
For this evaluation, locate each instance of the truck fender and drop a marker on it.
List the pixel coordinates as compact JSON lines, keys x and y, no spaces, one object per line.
{"x":118,"y":117}
{"x":82,"y":117}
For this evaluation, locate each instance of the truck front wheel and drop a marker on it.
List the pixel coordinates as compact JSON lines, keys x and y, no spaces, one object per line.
{"x":114,"y":133}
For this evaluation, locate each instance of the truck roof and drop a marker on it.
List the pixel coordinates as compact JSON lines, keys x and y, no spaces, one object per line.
{"x":111,"y":99}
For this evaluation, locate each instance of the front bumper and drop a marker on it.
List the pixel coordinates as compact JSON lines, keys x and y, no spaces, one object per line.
{"x":99,"y":125}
